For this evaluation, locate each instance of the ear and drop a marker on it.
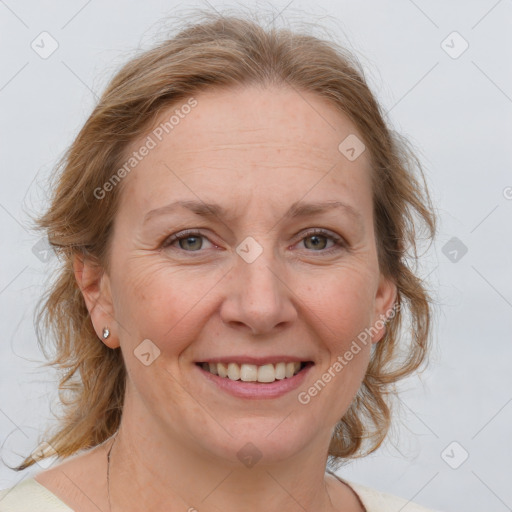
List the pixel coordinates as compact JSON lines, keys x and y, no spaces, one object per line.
{"x":94,"y":284}
{"x":385,"y":307}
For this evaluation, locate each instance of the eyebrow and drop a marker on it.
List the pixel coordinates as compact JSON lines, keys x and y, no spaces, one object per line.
{"x":296,"y":210}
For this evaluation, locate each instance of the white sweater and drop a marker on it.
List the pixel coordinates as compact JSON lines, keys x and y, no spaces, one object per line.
{"x":30,"y":496}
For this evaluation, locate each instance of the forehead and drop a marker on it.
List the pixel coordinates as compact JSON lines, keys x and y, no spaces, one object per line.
{"x":277,"y":140}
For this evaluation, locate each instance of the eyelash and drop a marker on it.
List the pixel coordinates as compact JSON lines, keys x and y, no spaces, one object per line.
{"x":339,"y":243}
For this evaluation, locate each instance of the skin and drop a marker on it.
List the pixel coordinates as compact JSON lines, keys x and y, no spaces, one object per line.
{"x":255,"y":151}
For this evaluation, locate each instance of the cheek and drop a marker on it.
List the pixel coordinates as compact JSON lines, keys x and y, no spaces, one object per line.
{"x":161,"y":303}
{"x":345,"y":357}
{"x":341,"y":309}
{"x":167,"y":306}
{"x":342,"y":302}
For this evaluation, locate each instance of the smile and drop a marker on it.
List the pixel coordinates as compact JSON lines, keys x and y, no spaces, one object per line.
{"x":266,"y":373}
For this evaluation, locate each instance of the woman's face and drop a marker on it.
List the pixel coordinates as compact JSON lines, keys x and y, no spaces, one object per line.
{"x":265,"y":273}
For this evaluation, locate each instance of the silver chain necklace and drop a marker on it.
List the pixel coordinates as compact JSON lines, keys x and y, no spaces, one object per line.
{"x":108,"y":473}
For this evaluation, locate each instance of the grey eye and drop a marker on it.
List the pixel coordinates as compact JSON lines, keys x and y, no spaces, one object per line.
{"x":317,"y":242}
{"x":192,"y":243}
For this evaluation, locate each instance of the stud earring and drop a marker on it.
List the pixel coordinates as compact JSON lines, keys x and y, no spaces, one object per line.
{"x":106,"y":333}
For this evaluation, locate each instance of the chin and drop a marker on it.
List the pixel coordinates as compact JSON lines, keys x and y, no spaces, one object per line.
{"x":259,"y":440}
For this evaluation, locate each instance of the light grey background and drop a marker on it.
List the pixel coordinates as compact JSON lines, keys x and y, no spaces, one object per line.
{"x":456,"y":111}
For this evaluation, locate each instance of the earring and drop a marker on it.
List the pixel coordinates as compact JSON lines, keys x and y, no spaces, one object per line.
{"x":106,"y":333}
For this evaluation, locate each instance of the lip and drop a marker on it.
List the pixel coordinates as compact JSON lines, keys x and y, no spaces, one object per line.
{"x":254,"y":390}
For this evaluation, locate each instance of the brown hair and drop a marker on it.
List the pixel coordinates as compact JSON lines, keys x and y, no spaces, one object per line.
{"x":213,"y":52}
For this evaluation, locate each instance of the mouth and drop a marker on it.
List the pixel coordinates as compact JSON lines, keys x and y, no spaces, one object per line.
{"x":260,"y":374}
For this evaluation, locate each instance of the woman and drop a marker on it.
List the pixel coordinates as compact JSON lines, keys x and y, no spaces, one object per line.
{"x":225,"y":374}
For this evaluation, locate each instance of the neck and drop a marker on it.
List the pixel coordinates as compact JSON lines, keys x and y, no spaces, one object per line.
{"x":156,"y":473}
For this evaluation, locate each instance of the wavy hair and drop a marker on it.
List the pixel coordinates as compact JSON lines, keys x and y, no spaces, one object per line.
{"x":224,"y":51}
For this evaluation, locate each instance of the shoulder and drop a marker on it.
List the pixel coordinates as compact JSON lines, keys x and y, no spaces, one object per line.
{"x":377,"y":501}
{"x":30,"y":496}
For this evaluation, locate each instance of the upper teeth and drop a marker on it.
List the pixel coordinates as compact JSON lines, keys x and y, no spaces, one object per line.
{"x":252,"y":372}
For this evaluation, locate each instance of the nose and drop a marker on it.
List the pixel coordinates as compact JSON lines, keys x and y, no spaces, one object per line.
{"x":258,"y":299}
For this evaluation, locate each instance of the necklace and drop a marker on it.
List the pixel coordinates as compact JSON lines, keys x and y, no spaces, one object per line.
{"x":108,"y":473}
